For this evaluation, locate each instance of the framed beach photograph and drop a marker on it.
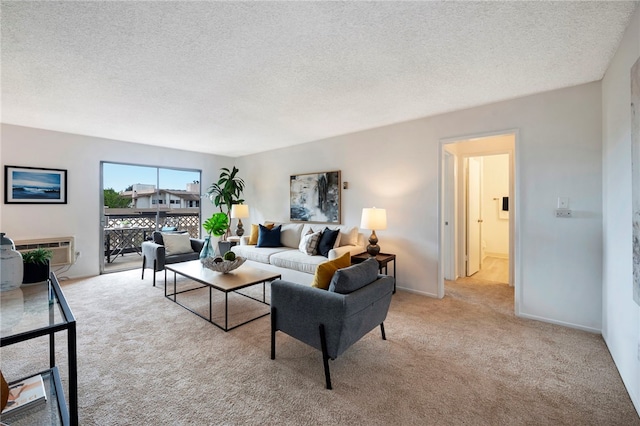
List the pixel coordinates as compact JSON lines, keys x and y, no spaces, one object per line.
{"x":31,"y":185}
{"x":315,"y":197}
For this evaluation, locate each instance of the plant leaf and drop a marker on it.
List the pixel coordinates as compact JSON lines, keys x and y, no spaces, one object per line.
{"x":217,"y":224}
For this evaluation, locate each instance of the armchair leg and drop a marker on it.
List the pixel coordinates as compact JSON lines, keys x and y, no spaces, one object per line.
{"x":325,"y":357}
{"x":384,"y":337}
{"x":144,"y":262}
{"x":155,"y":267}
{"x":273,"y":333}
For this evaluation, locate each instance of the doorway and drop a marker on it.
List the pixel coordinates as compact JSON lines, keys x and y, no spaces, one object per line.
{"x":478,"y":181}
{"x":487,"y":217}
{"x":138,"y":200}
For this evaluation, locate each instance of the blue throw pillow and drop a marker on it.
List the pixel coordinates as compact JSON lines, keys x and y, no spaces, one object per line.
{"x":347,"y":280}
{"x":269,"y":237}
{"x":327,"y":240}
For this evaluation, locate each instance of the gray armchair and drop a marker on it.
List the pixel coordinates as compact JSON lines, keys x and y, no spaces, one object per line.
{"x":154,"y":254}
{"x":332,"y":320}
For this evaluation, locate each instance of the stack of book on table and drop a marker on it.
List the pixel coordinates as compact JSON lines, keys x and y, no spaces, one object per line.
{"x":25,"y":394}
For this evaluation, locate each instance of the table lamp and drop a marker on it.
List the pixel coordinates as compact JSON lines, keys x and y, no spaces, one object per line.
{"x":373,"y":219}
{"x":238,"y":211}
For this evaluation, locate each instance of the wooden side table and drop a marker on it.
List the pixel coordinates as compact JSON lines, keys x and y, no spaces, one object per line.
{"x":383,"y":260}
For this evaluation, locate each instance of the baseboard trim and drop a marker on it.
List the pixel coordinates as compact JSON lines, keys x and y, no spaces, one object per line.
{"x":496,"y":255}
{"x":421,"y":293}
{"x":562,"y":323}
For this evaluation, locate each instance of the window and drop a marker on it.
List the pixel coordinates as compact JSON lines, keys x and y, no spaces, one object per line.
{"x":146,"y":198}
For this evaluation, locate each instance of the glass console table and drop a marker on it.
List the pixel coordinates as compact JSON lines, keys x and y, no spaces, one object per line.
{"x":48,"y":314}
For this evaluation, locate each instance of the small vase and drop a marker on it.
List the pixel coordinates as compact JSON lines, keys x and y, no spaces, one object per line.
{"x":11,"y":267}
{"x":208,"y":249}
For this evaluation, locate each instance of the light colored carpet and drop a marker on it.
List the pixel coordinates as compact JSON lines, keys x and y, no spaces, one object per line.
{"x":466,"y":359}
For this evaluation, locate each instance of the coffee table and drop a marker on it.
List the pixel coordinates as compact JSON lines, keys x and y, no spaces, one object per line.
{"x":243,"y":277}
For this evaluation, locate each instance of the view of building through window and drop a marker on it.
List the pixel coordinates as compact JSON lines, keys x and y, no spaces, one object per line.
{"x":139,"y":200}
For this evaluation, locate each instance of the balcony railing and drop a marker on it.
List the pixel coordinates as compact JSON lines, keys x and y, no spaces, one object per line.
{"x":126,"y":229}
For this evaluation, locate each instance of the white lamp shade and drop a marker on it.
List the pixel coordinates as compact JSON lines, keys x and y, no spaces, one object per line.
{"x":375,"y":219}
{"x":239,"y":211}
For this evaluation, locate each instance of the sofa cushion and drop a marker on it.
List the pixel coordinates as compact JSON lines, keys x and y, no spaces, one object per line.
{"x":348,"y":235}
{"x":290,"y":234}
{"x":295,"y":260}
{"x":184,"y":257}
{"x":327,"y":241}
{"x":176,"y":244}
{"x":325,"y":270}
{"x":311,"y":227}
{"x":262,"y":255}
{"x":269,"y":237}
{"x":309,"y":243}
{"x":350,"y":279}
{"x":255,"y":229}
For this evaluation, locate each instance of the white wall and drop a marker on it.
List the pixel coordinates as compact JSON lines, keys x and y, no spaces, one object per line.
{"x":397,"y":167}
{"x":495,"y":185}
{"x":81,"y":156}
{"x":621,"y":315}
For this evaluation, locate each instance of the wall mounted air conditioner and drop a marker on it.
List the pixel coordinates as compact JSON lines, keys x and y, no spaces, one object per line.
{"x":62,"y":248}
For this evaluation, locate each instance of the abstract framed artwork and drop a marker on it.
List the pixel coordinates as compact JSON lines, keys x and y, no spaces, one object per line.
{"x":315,"y":197}
{"x":30,"y":185}
{"x":635,"y":176}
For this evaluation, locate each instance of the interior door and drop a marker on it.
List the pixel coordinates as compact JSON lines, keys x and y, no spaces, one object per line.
{"x":449,"y":268}
{"x":474,"y":218}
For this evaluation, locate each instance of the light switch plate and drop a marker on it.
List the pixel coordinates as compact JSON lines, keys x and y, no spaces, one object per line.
{"x":563,"y":202}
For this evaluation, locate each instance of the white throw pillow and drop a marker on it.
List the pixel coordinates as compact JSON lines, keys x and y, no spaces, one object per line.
{"x":309,"y":243}
{"x":303,"y":244}
{"x":176,"y":244}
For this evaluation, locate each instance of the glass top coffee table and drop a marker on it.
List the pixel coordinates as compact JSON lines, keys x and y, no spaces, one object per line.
{"x":238,"y":279}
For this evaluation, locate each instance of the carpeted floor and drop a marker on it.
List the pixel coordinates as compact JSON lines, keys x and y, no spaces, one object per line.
{"x":463,"y":360}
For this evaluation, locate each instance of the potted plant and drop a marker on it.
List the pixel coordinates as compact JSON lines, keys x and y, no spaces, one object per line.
{"x":36,"y":265}
{"x":226,"y":192}
{"x":216,"y":225}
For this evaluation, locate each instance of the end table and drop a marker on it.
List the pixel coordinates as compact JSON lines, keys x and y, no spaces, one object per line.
{"x":383,"y":260}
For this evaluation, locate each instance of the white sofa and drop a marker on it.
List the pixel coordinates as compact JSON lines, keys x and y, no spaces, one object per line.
{"x":289,"y":261}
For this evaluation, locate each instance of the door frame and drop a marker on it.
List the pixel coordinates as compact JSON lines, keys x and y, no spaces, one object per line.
{"x":102,"y":269}
{"x":449,"y":223}
{"x":514,"y":206}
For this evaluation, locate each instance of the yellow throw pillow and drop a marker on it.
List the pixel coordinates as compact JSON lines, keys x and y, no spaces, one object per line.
{"x":325,"y":270}
{"x":253,"y":237}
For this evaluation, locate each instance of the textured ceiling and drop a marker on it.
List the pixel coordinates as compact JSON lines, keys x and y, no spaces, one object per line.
{"x":233,"y":78}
